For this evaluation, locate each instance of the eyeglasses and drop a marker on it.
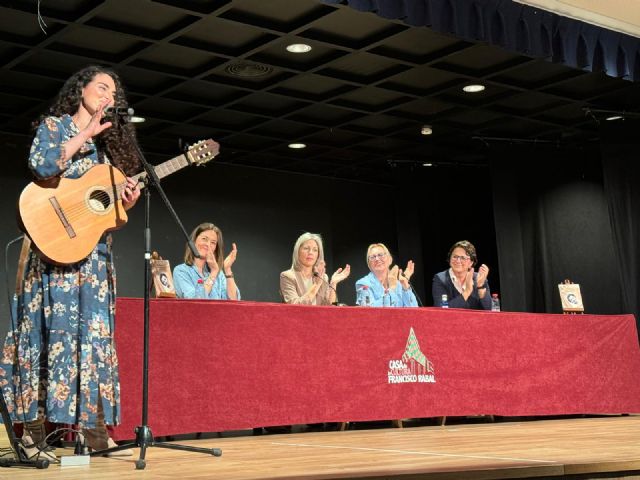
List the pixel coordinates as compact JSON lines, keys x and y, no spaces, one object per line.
{"x":377,"y":256}
{"x":459,"y":258}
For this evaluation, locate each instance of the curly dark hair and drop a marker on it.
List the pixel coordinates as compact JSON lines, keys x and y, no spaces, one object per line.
{"x":115,"y":141}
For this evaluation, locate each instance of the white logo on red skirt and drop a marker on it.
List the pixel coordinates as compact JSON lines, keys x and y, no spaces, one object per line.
{"x":413,"y":367}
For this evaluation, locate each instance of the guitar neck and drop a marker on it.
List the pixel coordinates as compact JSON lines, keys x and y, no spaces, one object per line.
{"x":163,"y":170}
{"x":198,"y":154}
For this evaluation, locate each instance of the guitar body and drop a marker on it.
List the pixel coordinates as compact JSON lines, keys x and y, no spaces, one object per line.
{"x":66,"y":218}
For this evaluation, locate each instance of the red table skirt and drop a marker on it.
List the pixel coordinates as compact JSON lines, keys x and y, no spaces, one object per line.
{"x":217,"y":365}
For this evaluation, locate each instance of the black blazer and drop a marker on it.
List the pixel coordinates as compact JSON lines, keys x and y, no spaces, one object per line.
{"x":442,"y":284}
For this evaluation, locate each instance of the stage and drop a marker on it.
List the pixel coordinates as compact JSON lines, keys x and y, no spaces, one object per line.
{"x":596,"y":447}
{"x":232,"y":366}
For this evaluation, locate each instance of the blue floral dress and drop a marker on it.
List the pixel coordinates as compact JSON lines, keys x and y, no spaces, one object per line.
{"x":60,"y":361}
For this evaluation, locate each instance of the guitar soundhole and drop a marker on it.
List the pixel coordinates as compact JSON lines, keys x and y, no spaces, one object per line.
{"x":99,"y":201}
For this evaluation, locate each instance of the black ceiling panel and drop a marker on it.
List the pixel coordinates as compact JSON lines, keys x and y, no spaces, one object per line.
{"x":220,"y":68}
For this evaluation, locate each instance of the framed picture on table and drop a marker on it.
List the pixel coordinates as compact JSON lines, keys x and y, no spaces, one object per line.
{"x":570,"y":297}
{"x":162,"y":278}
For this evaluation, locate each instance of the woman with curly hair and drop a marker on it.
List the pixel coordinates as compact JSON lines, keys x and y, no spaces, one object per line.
{"x":60,"y":364}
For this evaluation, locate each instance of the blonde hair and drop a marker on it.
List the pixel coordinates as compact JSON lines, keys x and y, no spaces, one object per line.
{"x":295,"y":263}
{"x":219,"y":252}
{"x":379,"y":245}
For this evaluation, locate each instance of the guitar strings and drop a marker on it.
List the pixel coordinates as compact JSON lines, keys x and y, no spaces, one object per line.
{"x":79,"y":209}
{"x":82,"y":208}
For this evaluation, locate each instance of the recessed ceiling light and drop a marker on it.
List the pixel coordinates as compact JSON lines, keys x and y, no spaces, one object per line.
{"x":135,"y":119}
{"x":298,"y":48}
{"x":614,"y":117}
{"x":427,"y":164}
{"x":426,"y":130}
{"x":297,"y":145}
{"x":473,"y":88}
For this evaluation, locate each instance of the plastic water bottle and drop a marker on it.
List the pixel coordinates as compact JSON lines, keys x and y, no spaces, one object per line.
{"x":200,"y":292}
{"x":386,"y":299}
{"x":495,"y":302}
{"x":364,"y":296}
{"x":445,"y":301}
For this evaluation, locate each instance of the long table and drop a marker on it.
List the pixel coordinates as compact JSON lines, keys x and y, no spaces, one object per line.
{"x":217,"y":366}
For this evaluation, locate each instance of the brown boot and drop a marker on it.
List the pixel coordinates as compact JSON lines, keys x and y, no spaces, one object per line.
{"x":98,"y":438}
{"x":37,"y":433}
{"x":98,"y":442}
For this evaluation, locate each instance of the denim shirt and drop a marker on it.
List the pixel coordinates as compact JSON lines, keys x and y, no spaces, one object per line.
{"x":185,"y":280}
{"x":398,"y":297}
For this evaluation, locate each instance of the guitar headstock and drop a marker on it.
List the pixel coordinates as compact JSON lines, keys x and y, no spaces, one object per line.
{"x":203,"y":151}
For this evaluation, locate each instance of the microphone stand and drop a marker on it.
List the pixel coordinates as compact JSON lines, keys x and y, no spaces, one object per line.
{"x":328,"y":284}
{"x":414,"y":291}
{"x":144,"y":437}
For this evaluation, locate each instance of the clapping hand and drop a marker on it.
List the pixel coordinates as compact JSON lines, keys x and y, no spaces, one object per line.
{"x":468,"y":281}
{"x":340,"y":274}
{"x":319,"y":271}
{"x":483,"y":273}
{"x":405,"y":276}
{"x":212,"y":263}
{"x":393,"y":277}
{"x":230,"y":259}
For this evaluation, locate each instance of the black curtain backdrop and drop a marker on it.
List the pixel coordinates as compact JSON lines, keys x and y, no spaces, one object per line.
{"x":621,"y":168}
{"x":563,"y":213}
{"x":538,"y":215}
{"x":262,"y":211}
{"x":552,"y":223}
{"x":454,"y":203}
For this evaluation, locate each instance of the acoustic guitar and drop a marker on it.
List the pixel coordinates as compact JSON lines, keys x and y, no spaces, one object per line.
{"x":65,"y":217}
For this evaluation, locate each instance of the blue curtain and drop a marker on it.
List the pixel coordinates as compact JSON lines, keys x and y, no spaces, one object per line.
{"x":518,"y":28}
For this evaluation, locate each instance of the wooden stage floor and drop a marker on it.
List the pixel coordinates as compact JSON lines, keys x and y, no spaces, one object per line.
{"x":596,"y":447}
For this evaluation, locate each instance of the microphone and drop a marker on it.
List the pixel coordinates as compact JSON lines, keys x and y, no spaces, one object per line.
{"x":413,"y":290}
{"x":316,"y":274}
{"x":111,"y":111}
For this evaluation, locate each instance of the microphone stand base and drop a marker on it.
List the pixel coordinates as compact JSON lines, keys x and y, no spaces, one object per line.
{"x":144,"y":439}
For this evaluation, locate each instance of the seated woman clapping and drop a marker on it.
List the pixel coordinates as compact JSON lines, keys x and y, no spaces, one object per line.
{"x":463,"y":287}
{"x":387,"y":287}
{"x":306,"y":282}
{"x":209,"y":276}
